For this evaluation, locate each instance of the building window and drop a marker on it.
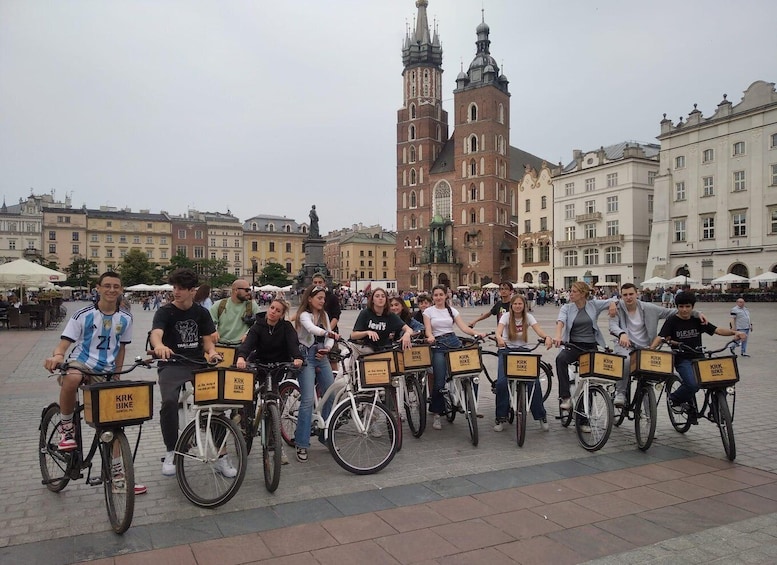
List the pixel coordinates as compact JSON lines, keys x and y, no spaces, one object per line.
{"x":774,"y":175}
{"x":739,"y":181}
{"x":473,"y":113}
{"x":413,"y":180}
{"x":739,"y":223}
{"x":412,"y":111}
{"x":708,"y":186}
{"x":612,"y":204}
{"x":569,"y":189}
{"x":590,"y":231}
{"x":708,"y":156}
{"x":181,"y":234}
{"x":527,"y":226}
{"x":473,"y":168}
{"x":149,"y":226}
{"x":590,"y":206}
{"x":122,"y":239}
{"x":163,"y":254}
{"x":109,"y":224}
{"x":198,"y":234}
{"x":774,"y":140}
{"x":272,"y":247}
{"x":527,"y":205}
{"x":739,"y":148}
{"x":237,"y":256}
{"x":679,"y":162}
{"x":569,"y":233}
{"x":708,"y":227}
{"x":11,"y":244}
{"x":150,"y":254}
{"x":612,"y":227}
{"x":413,"y":222}
{"x":136,"y":239}
{"x":543,"y":202}
{"x":442,"y":200}
{"x":652,"y":177}
{"x":528,"y":254}
{"x":199,"y":252}
{"x":224,"y":242}
{"x":591,"y":257}
{"x":679,"y":191}
{"x":544,"y":253}
{"x":213,"y":242}
{"x":773,"y":221}
{"x":52,"y":247}
{"x":569,"y":211}
{"x":650,"y":203}
{"x":109,"y":253}
{"x":237,"y":243}
{"x":473,"y":193}
{"x":52,"y":235}
{"x":181,"y":250}
{"x":149,"y":240}
{"x":254,"y":246}
{"x":679,"y":230}
{"x":544,"y":224}
{"x":93,"y":252}
{"x":288,"y":247}
{"x":411,"y":133}
{"x":590,"y":185}
{"x":473,"y":144}
{"x":74,"y":236}
{"x":612,"y":180}
{"x":75,"y":249}
{"x":94,"y":238}
{"x":612,"y":255}
{"x":570,"y":258}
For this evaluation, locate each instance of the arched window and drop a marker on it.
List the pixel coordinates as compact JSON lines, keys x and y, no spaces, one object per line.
{"x":439,"y":133}
{"x":413,"y":202}
{"x":407,"y":242}
{"x":411,"y":133}
{"x":590,"y":257}
{"x":442,"y":200}
{"x":287,"y":228}
{"x":570,"y":258}
{"x":413,"y":222}
{"x":473,"y":168}
{"x":473,"y":113}
{"x":612,"y":255}
{"x":412,"y":154}
{"x":412,"y":177}
{"x":740,"y":269}
{"x":412,"y":111}
{"x":501,"y":114}
{"x":473,"y":144}
{"x":253,"y":226}
{"x":270,"y":227}
{"x":473,"y":216}
{"x":418,"y":242}
{"x":413,"y":260}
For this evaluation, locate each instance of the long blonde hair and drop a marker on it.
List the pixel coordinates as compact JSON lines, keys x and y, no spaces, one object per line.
{"x":512,"y":334}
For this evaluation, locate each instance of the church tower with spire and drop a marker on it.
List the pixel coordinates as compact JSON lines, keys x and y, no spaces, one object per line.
{"x":422,"y":130}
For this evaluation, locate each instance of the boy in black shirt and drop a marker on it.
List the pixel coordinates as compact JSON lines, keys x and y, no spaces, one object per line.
{"x":499,"y":307}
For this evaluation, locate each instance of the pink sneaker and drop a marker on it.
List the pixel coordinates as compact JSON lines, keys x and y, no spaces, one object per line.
{"x":66,"y":440}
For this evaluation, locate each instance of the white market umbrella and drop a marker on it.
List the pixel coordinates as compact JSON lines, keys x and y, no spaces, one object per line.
{"x":522,"y":285}
{"x":491,"y":286}
{"x":605,"y":283}
{"x":269,"y":288}
{"x":140,"y":288}
{"x":680,"y":279}
{"x":286,"y":288}
{"x":766,"y":277}
{"x":730,"y":278}
{"x":654,"y":281}
{"x":23,"y":272}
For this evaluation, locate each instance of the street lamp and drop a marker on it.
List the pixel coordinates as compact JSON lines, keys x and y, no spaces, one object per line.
{"x":253,"y":274}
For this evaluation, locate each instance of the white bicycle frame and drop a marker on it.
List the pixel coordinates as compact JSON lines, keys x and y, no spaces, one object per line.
{"x":188,"y":411}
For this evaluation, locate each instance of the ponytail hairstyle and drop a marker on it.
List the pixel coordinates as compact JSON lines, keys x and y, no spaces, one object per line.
{"x":444,"y":288}
{"x":512,"y":334}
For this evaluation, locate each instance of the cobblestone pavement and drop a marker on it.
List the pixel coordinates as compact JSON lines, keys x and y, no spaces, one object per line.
{"x":29,"y":513}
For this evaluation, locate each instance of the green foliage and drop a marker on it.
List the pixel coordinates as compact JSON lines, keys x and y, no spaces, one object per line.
{"x":136,"y":268}
{"x":81,"y":272}
{"x":274,"y":273}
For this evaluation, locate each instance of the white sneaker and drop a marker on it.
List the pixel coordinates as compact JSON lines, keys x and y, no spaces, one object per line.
{"x":284,"y":457}
{"x":566,"y":404}
{"x":224,"y":466}
{"x":168,"y":465}
{"x":585,"y":428}
{"x":437,"y":424}
{"x":499,"y":427}
{"x":620,"y":400}
{"x":544,"y":424}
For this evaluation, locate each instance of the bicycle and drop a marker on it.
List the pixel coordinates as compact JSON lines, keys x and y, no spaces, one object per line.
{"x":651,"y":369}
{"x":522,"y":369}
{"x":592,"y":404}
{"x":108,"y":407}
{"x":717,"y":377}
{"x":263,"y":420}
{"x":464,"y":366}
{"x":209,"y":434}
{"x":412,"y":391}
{"x":354,"y":431}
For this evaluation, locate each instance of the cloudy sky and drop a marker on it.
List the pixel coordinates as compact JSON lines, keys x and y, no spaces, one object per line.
{"x":267,"y":107}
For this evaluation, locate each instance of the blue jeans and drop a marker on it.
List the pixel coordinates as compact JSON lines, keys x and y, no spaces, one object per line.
{"x":688,"y":388}
{"x":440,"y":368}
{"x":744,"y":343}
{"x":307,"y":387}
{"x":503,"y":391}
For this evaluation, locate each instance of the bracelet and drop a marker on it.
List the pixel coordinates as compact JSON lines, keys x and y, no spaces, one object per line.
{"x":55,"y":354}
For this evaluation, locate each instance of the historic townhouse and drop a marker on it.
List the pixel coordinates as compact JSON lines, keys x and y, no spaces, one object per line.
{"x":457,"y":204}
{"x":21,"y":227}
{"x":603,"y":207}
{"x":273,"y":239}
{"x":534,"y":200}
{"x":225,"y":238}
{"x":64,"y":236}
{"x":189,"y":237}
{"x":715,"y":209}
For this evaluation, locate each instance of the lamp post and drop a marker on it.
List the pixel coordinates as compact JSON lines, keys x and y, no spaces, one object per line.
{"x":253,"y":274}
{"x":356,"y":281}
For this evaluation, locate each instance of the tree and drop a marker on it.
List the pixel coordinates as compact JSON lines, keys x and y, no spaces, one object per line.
{"x":274,"y":273}
{"x":135,"y":268}
{"x":81,"y":272}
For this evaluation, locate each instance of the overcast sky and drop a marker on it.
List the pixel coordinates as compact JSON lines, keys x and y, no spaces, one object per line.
{"x":267,"y":107}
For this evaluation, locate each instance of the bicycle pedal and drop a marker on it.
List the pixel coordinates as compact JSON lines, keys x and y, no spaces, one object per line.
{"x":94,"y":482}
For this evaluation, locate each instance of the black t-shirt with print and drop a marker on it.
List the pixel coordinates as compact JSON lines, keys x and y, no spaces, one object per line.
{"x":500,"y":308}
{"x":388,"y":327}
{"x":182,"y":330}
{"x":686,"y":331}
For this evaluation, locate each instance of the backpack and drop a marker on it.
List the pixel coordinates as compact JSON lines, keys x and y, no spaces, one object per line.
{"x":223,"y":306}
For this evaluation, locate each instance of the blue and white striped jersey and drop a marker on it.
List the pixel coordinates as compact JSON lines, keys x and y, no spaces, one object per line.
{"x":98,"y":337}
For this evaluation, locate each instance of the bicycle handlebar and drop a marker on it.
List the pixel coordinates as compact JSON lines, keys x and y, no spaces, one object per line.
{"x":182,"y":360}
{"x":526,"y":348}
{"x":676,"y":345}
{"x":570,"y":345}
{"x":139,"y":362}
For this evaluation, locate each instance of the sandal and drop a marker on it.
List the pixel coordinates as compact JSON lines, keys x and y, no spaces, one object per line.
{"x":302,"y":455}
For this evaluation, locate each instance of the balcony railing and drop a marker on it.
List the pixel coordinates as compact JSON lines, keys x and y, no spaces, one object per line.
{"x":592,"y":217}
{"x":588,"y":241}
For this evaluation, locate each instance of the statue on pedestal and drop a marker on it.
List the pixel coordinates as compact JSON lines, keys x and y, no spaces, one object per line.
{"x":313,"y":231}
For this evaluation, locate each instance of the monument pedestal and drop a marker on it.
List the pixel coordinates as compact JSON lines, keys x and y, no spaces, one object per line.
{"x":314,"y":259}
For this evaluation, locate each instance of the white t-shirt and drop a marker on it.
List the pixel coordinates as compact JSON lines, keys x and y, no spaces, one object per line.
{"x":636,"y":330}
{"x":518,"y":342}
{"x":442,"y":322}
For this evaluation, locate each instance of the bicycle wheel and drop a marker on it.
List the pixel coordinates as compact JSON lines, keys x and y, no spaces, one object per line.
{"x":645,"y":415}
{"x":725,"y":425}
{"x":391,"y":403}
{"x":54,"y":464}
{"x":118,"y":474}
{"x":246,"y":421}
{"x":520,"y":413}
{"x":272,"y":446}
{"x":546,"y":380}
{"x":202,"y":460}
{"x":470,"y":410}
{"x":594,"y":427}
{"x":679,"y":418}
{"x":619,"y":413}
{"x":450,"y":404}
{"x":415,"y":408}
{"x":565,"y":416}
{"x":362,"y":435}
{"x":289,"y":396}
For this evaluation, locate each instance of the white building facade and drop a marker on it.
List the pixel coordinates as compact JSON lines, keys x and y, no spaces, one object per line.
{"x":716,"y":197}
{"x":602,"y":208}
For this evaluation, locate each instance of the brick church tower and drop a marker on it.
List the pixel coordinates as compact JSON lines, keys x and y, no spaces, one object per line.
{"x":455,"y":196}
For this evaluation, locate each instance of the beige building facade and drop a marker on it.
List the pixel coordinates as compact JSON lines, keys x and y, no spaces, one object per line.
{"x":273,"y":239}
{"x":533,"y":214}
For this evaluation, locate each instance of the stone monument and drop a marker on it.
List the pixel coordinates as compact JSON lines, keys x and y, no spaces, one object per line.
{"x":314,"y":251}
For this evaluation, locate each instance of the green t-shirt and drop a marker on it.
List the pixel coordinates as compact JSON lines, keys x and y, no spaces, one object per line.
{"x":230,"y":324}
